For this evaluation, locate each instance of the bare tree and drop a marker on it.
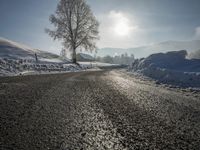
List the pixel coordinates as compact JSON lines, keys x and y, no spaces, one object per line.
{"x":75,"y":25}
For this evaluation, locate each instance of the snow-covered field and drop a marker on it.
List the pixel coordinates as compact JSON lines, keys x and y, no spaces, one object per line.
{"x":170,"y":68}
{"x":97,"y":64}
{"x":18,"y":59}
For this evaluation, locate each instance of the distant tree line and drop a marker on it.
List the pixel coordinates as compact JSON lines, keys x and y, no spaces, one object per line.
{"x":123,"y":59}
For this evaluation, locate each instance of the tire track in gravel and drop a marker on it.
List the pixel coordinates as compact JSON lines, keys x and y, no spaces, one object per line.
{"x":82,"y":126}
{"x":94,"y":111}
{"x":96,"y":130}
{"x":16,"y":107}
{"x":62,"y":117}
{"x":181,"y":132}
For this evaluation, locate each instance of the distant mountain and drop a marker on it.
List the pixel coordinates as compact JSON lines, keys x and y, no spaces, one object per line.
{"x":145,"y":51}
{"x":84,"y":57}
{"x":14,"y":50}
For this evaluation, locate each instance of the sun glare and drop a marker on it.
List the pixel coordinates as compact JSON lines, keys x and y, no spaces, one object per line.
{"x":122,"y":24}
{"x":122,"y":29}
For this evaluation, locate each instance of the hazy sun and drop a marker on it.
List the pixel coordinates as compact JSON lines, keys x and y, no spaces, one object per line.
{"x":122,"y":28}
{"x":122,"y":25}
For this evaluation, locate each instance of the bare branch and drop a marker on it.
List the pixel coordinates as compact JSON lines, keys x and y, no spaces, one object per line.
{"x":75,"y":25}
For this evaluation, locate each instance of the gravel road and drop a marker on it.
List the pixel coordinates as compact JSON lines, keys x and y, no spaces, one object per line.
{"x":96,"y":110}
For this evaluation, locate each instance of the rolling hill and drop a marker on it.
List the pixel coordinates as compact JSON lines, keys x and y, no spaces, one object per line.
{"x":14,"y":50}
{"x":145,"y":51}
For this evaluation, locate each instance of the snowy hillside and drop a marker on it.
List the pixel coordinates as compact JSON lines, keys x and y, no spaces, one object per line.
{"x":171,"y":67}
{"x":13,"y":50}
{"x":147,"y":50}
{"x":18,"y":59}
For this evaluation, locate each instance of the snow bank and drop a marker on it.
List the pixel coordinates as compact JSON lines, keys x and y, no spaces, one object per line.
{"x":171,"y":68}
{"x":12,"y":67}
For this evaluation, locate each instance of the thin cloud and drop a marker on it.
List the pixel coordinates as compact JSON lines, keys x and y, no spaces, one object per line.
{"x":113,"y":21}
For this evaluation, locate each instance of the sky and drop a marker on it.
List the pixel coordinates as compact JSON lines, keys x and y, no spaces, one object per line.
{"x":123,"y":23}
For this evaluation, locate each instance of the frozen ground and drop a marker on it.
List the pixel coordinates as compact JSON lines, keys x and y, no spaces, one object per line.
{"x":97,"y":64}
{"x":10,"y":67}
{"x":18,"y":59}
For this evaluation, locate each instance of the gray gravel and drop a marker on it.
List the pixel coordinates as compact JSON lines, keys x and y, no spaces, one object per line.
{"x":95,"y":111}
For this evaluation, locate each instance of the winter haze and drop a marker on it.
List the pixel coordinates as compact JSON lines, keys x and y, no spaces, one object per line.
{"x":100,"y":74}
{"x":123,"y":24}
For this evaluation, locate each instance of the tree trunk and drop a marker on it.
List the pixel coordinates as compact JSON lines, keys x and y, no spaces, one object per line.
{"x":74,"y":56}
